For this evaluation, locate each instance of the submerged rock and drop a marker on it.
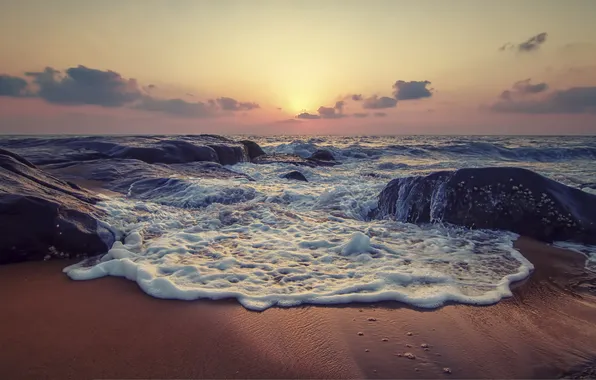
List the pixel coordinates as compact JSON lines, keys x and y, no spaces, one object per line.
{"x":295,"y":175}
{"x":42,"y":217}
{"x":503,"y":198}
{"x":322,"y":155}
{"x":119,"y":174}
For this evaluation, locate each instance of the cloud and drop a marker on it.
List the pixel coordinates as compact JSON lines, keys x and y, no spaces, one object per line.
{"x":411,"y":90}
{"x":13,"y":86}
{"x":177,"y":107}
{"x":329,"y":113}
{"x":522,"y":88}
{"x":360,"y":115}
{"x":339,"y":105}
{"x":380,"y":114}
{"x":571,"y":101}
{"x":229,"y":104}
{"x":531,"y":44}
{"x":288,"y":121}
{"x":81,"y":85}
{"x":308,"y":116}
{"x":375,"y":102}
{"x":356,"y":97}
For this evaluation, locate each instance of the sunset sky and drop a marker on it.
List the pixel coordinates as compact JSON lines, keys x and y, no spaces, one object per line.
{"x":298,"y":67}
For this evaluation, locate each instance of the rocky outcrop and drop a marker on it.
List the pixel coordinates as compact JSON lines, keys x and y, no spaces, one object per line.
{"x":295,"y":175}
{"x":253,"y":149}
{"x":149,"y":149}
{"x":512,"y":199}
{"x":41,"y":216}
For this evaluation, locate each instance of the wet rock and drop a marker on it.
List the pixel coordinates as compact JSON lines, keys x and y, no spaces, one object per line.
{"x":447,"y":370}
{"x":409,"y":355}
{"x":502,"y":198}
{"x":295,"y":175}
{"x":252,"y":148}
{"x":42,"y":217}
{"x":385,"y":340}
{"x":360,"y":333}
{"x":322,"y":155}
{"x":149,"y":149}
{"x":424,"y":345}
{"x":409,"y":333}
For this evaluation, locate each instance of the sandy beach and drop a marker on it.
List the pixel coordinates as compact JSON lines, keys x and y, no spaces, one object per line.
{"x":55,"y":328}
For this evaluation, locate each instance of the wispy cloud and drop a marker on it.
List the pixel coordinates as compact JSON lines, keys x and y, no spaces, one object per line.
{"x":531,"y":44}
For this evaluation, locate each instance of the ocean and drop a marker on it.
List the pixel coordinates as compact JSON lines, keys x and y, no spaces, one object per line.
{"x":278,"y":242}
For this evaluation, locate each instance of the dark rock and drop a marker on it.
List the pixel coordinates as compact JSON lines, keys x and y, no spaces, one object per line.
{"x":291,"y":159}
{"x":150,"y":149}
{"x":17,"y":158}
{"x":119,"y":174}
{"x":322,"y":155}
{"x":295,"y":175}
{"x":253,"y":149}
{"x":512,"y":199}
{"x":41,"y":216}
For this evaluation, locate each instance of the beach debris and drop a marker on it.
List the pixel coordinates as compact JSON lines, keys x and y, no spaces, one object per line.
{"x":371,"y":319}
{"x":409,"y":333}
{"x":385,"y":340}
{"x":360,"y":333}
{"x":409,"y":355}
{"x":447,"y":370}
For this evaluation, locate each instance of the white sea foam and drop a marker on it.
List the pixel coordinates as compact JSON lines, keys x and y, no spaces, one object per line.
{"x":290,"y":243}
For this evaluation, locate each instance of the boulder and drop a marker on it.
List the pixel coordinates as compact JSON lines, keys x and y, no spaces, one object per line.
{"x":42,"y":217}
{"x":503,"y":198}
{"x":295,"y":175}
{"x":322,"y":155}
{"x":252,"y":148}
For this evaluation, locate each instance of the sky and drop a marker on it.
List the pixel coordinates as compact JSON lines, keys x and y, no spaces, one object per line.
{"x":298,"y":67}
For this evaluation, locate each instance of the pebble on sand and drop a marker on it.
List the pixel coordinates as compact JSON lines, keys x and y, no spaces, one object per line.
{"x":360,"y":333}
{"x":409,"y":355}
{"x":371,"y":319}
{"x":385,"y":340}
{"x":424,"y":345}
{"x":409,"y":333}
{"x":366,"y":350}
{"x":447,"y":370}
{"x":409,"y":345}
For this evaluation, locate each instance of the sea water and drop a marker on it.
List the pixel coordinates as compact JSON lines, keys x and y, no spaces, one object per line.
{"x":278,"y":242}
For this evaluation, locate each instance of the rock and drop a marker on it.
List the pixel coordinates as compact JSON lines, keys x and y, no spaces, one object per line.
{"x":424,"y":345}
{"x":42,"y":217}
{"x":295,"y":175}
{"x":149,"y":149}
{"x":16,"y":157}
{"x":447,"y":370}
{"x":409,"y":333}
{"x":385,"y":340}
{"x":501,"y":198}
{"x":409,"y":355}
{"x":366,"y":350}
{"x":252,"y":149}
{"x":322,"y":155}
{"x":371,"y":319}
{"x":360,"y":333}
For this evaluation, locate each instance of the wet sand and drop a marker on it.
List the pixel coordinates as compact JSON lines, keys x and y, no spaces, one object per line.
{"x":55,"y":328}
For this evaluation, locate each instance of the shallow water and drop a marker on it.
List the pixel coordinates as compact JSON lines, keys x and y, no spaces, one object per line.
{"x":279,"y":242}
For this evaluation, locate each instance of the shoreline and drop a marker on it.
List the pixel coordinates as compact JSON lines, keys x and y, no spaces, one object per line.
{"x":108,"y":328}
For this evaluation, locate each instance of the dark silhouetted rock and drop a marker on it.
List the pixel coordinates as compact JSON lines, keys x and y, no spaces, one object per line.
{"x":295,"y":175}
{"x":322,"y":155}
{"x":150,"y":149}
{"x":512,"y":199}
{"x":41,"y":216}
{"x":253,"y":149}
